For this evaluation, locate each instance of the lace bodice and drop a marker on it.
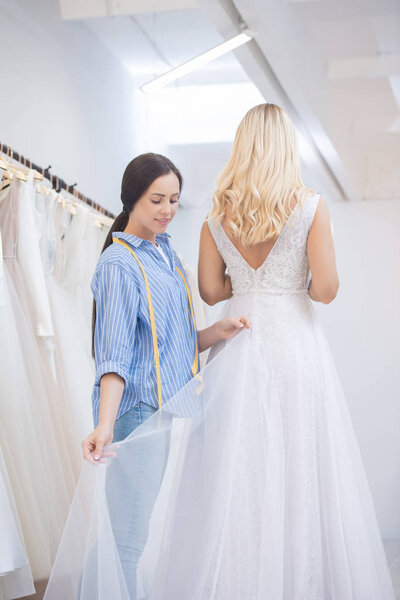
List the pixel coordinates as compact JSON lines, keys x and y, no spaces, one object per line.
{"x":285,"y":270}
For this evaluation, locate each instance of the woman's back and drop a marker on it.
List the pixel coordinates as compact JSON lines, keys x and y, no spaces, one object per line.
{"x":282,"y":264}
{"x":255,"y":254}
{"x":275,"y":265}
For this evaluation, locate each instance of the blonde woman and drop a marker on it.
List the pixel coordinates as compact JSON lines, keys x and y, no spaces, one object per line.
{"x":264,"y":496}
{"x":302,"y":523}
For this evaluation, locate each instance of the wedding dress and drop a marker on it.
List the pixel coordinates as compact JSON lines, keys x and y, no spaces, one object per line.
{"x":34,"y":435}
{"x":66,"y":280}
{"x":15,"y":574}
{"x":264,"y":495}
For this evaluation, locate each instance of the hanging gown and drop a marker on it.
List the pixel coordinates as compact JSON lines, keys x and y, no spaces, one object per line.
{"x":63,"y":249}
{"x":266,"y":496}
{"x":15,"y":574}
{"x":35,"y":442}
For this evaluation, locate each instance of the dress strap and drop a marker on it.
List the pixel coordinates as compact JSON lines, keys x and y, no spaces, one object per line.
{"x":214,"y":230}
{"x":310,"y":209}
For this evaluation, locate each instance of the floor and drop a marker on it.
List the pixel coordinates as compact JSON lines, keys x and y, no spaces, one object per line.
{"x":40,"y":589}
{"x":392,"y":549}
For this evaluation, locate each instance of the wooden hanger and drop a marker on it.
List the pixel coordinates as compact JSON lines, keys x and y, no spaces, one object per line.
{"x":21,"y":174}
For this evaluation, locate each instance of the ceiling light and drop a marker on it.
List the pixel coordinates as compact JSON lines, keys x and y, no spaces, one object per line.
{"x":199,"y":61}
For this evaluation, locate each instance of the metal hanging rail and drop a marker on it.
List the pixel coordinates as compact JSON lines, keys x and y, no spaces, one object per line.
{"x":56,"y":182}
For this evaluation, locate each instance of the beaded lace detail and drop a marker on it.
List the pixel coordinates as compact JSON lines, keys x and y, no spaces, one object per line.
{"x":285,"y":270}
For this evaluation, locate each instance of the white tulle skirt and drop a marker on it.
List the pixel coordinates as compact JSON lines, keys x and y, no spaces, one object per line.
{"x":264,"y":495}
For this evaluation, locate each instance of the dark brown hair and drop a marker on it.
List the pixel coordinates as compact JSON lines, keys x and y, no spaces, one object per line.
{"x":137,"y":178}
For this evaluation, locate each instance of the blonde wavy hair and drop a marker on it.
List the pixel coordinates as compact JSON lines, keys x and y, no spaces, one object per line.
{"x":262,"y":177}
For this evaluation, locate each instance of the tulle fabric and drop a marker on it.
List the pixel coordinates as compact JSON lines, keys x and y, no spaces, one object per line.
{"x":264,"y":495}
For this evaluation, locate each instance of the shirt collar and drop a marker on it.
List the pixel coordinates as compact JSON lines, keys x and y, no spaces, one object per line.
{"x":135,"y":241}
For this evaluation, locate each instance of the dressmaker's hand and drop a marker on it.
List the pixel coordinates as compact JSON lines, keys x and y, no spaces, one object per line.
{"x":95,"y":445}
{"x":229,"y":327}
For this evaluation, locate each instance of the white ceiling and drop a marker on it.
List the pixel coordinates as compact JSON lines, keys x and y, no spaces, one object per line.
{"x":339,"y":63}
{"x":334,"y":63}
{"x":149,"y":43}
{"x":84,"y":9}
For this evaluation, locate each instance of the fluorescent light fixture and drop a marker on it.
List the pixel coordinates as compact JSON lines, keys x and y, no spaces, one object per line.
{"x":196,"y":63}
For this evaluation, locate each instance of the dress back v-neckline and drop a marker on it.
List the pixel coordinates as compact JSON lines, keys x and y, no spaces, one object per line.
{"x":272,"y":249}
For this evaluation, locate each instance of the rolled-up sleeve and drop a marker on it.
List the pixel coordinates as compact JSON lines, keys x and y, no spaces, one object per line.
{"x":117,"y":303}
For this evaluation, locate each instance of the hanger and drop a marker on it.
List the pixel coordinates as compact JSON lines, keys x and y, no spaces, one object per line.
{"x":11,"y":171}
{"x":43,"y":189}
{"x":18,"y":172}
{"x":7,"y":175}
{"x":69,"y":205}
{"x":101,"y":220}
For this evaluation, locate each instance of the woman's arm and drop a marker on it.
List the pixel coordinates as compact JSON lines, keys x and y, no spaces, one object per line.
{"x":214,"y":284}
{"x":321,"y":257}
{"x":117,"y":304}
{"x":111,"y":389}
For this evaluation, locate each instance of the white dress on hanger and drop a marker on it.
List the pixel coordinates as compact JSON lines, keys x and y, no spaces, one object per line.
{"x":267,"y":495}
{"x":30,"y":261}
{"x":74,"y":365}
{"x":83,"y":242}
{"x":15,"y":574}
{"x":81,"y":247}
{"x":95,"y":237}
{"x":34,"y":437}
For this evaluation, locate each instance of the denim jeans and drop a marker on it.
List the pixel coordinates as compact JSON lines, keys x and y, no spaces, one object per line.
{"x":138,"y":477}
{"x":131,"y":420}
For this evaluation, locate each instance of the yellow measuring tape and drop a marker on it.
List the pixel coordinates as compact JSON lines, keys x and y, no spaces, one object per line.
{"x":195,"y":364}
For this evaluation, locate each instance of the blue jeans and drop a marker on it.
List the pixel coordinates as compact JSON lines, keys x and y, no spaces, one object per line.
{"x":132,"y":486}
{"x":131,"y":420}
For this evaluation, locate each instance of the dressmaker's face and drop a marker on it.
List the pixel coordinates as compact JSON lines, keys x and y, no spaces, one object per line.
{"x":157,"y":207}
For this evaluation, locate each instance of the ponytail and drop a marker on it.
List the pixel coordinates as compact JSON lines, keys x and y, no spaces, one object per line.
{"x":119,"y":224}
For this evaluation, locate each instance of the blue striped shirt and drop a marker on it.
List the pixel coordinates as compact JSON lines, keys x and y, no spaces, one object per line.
{"x":123,"y":340}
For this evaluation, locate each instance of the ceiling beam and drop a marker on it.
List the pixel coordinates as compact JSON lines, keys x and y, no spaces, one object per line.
{"x":87,"y":9}
{"x":320,"y":150}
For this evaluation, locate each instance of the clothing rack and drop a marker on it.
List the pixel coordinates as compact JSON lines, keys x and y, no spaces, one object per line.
{"x":56,"y":182}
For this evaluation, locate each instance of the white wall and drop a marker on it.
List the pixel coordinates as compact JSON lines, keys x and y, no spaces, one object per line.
{"x":363,"y":327}
{"x":65,"y":100}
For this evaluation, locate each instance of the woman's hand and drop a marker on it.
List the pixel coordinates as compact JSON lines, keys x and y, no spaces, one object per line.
{"x":221,"y":330}
{"x":229,"y":327}
{"x":95,"y":445}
